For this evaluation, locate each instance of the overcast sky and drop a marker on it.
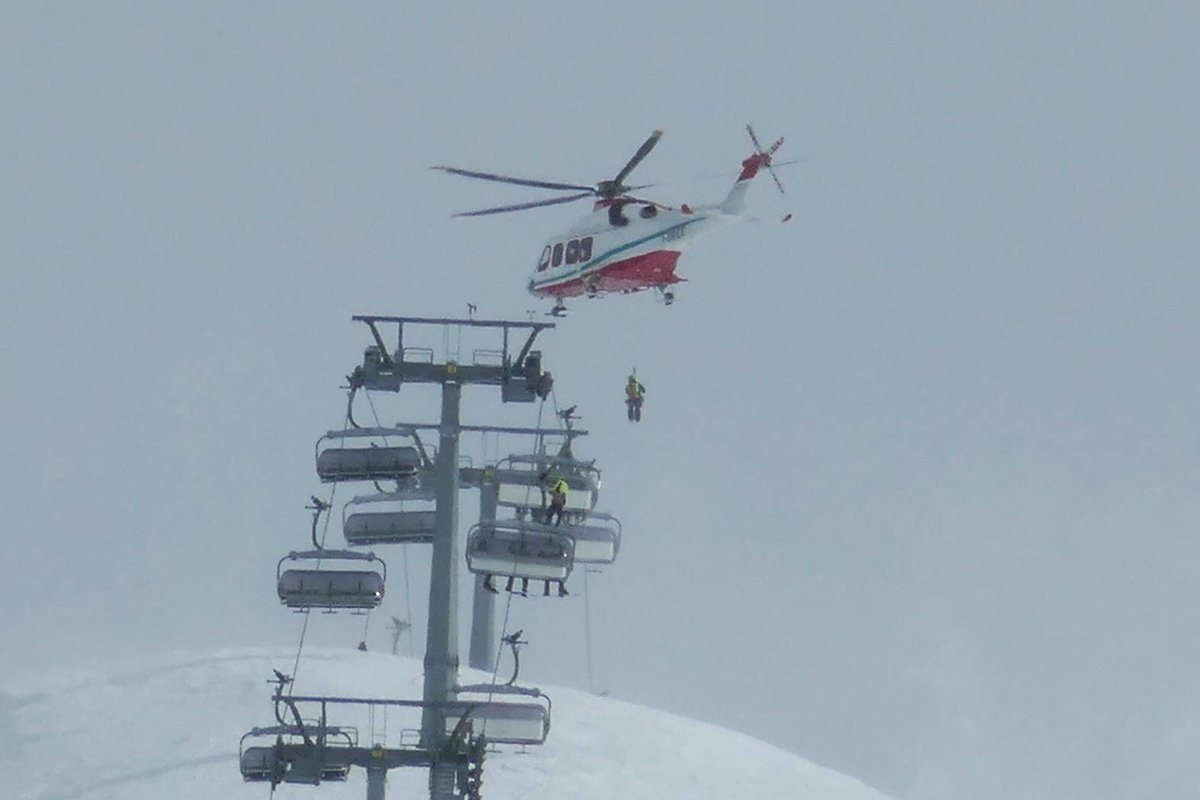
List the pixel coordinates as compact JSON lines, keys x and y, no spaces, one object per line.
{"x":915,"y":491}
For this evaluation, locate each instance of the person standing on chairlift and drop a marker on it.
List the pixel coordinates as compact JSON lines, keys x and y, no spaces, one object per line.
{"x":634,"y":394}
{"x":558,"y":501}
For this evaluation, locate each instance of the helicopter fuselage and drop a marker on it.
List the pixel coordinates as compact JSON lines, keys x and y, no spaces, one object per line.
{"x":618,"y":247}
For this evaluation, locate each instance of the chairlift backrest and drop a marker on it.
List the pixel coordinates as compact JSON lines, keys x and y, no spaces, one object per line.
{"x":321,"y":587}
{"x":396,"y":521}
{"x":520,"y":482}
{"x":597,"y":541}
{"x":502,"y":722}
{"x":520,"y":549}
{"x":367,"y":463}
{"x":389,"y":527}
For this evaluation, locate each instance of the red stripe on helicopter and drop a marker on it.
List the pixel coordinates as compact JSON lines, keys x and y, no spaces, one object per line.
{"x":656,"y":268}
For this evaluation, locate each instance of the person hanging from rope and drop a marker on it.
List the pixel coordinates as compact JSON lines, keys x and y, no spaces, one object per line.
{"x":634,"y":394}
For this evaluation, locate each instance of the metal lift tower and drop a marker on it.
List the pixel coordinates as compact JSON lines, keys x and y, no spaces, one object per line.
{"x":305,"y":746}
{"x":521,"y":379}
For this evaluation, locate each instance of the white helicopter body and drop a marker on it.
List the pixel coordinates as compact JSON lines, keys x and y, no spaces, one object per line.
{"x":626,"y":244}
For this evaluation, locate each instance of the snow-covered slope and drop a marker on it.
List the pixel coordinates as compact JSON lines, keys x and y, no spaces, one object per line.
{"x":169,"y":728}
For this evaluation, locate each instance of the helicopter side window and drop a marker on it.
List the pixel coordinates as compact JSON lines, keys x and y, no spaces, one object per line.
{"x":585,"y":249}
{"x":572,"y":251}
{"x":556,"y":259}
{"x":544,"y":261}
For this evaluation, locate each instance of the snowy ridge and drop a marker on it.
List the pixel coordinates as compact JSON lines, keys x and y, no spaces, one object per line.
{"x":169,"y":729}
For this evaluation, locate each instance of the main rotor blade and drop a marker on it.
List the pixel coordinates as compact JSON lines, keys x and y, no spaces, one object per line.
{"x":754,"y":138}
{"x":522,"y":206}
{"x":778,"y":185}
{"x":642,"y":152}
{"x":488,"y":176}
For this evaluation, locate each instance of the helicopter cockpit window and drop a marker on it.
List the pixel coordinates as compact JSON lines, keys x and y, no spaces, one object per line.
{"x":544,"y":261}
{"x":585,"y":249}
{"x":556,"y":259}
{"x":572,"y":251}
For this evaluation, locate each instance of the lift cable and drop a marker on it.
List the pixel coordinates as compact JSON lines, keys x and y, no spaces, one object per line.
{"x":565,"y":418}
{"x":320,"y":546}
{"x":403,"y":547}
{"x":508,"y":605}
{"x":587,"y":628}
{"x":318,"y":506}
{"x":407,"y":601}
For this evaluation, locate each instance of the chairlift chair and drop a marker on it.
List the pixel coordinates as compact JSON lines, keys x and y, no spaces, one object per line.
{"x":502,"y":721}
{"x":519,"y":483}
{"x":290,"y":759}
{"x":338,"y":460}
{"x":397,"y":525}
{"x":331,"y":589}
{"x":520,"y":549}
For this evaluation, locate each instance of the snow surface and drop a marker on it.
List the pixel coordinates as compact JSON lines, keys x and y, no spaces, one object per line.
{"x":168,"y":727}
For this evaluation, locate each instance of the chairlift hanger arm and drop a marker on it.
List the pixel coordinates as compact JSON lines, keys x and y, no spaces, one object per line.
{"x":520,"y":359}
{"x":387,"y":358}
{"x":291,"y":705}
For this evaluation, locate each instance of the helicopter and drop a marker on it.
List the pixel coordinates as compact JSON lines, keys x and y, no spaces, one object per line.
{"x":627,"y":243}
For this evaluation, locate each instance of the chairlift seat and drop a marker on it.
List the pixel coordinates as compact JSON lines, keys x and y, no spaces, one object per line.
{"x":367,"y":463}
{"x":389,"y":527}
{"x":321,"y":588}
{"x":335,"y":772}
{"x":291,"y":760}
{"x":520,"y":549}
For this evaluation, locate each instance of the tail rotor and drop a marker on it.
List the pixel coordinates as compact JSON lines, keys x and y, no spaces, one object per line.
{"x":766,"y":155}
